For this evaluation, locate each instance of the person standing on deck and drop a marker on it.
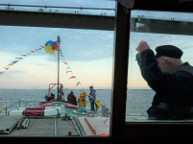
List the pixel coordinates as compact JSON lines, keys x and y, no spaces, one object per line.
{"x":61,"y":93}
{"x":82,"y":99}
{"x":92,"y":98}
{"x":171,"y":79}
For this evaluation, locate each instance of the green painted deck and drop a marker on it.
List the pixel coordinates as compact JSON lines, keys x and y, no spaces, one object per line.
{"x":8,"y":123}
{"x":50,"y":126}
{"x":46,"y":127}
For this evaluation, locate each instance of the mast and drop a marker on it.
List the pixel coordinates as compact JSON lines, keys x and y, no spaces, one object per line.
{"x":58,"y":76}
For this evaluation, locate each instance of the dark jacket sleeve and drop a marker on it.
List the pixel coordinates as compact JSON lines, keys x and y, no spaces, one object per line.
{"x":162,"y":81}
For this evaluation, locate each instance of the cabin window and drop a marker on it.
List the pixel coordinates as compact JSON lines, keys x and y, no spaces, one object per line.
{"x":86,"y":59}
{"x":156,"y":28}
{"x":86,"y":30}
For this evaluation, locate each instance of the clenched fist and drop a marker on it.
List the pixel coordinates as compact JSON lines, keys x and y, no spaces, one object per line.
{"x":142,"y":46}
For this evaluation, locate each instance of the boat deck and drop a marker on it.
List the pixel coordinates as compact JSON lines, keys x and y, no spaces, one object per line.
{"x":70,"y":122}
{"x":44,"y":127}
{"x":61,"y":127}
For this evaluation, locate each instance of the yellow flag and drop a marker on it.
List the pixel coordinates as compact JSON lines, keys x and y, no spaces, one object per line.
{"x":10,"y":64}
{"x":67,"y":68}
{"x":48,"y":49}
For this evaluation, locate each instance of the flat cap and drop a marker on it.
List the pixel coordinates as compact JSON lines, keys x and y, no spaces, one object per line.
{"x":169,"y":51}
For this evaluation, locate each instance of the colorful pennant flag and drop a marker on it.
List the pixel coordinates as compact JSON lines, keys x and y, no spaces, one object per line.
{"x":72,"y":77}
{"x":68,"y":68}
{"x":51,"y":46}
{"x":55,"y":46}
{"x":68,"y":71}
{"x":48,"y":49}
{"x":65,"y":63}
{"x":23,"y":55}
{"x":19,"y":58}
{"x":6,"y":68}
{"x":10,"y":64}
{"x":15,"y":61}
{"x":78,"y":83}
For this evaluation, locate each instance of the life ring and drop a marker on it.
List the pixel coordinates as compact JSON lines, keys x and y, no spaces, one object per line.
{"x":44,"y":105}
{"x":71,"y":106}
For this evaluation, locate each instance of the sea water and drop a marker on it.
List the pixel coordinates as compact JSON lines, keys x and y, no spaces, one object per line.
{"x":138,"y":100}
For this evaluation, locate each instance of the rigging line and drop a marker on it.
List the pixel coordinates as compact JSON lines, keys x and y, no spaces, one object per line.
{"x":62,"y":7}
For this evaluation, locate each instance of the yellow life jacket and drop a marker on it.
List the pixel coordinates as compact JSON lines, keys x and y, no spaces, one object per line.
{"x":97,"y":103}
{"x":82,"y":99}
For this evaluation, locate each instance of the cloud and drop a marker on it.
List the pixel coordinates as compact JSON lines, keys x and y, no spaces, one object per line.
{"x":88,"y":52}
{"x":74,"y":43}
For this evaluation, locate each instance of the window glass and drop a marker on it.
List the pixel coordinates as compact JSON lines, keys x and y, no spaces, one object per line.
{"x":156,"y":28}
{"x":28,"y":66}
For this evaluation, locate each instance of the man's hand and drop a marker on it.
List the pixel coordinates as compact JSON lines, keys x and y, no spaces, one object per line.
{"x":142,"y":46}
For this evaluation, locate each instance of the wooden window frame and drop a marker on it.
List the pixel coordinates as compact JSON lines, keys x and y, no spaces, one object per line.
{"x":119,"y":127}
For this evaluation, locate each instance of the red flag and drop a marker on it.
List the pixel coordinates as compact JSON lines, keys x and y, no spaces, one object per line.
{"x":6,"y":68}
{"x":72,"y":77}
{"x":18,"y":58}
{"x":65,"y":63}
{"x":55,"y":46}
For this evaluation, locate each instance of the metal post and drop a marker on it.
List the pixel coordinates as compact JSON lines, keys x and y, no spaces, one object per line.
{"x":58,"y":76}
{"x":58,"y":39}
{"x":6,"y":110}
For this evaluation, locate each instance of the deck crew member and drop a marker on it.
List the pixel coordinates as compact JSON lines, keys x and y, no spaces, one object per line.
{"x":50,"y":97}
{"x":170,"y":78}
{"x":61,"y":93}
{"x":92,"y":98}
{"x":82,"y":99}
{"x":71,"y":98}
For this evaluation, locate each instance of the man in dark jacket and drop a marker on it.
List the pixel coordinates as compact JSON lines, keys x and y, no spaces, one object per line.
{"x":92,"y":98}
{"x":171,"y":79}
